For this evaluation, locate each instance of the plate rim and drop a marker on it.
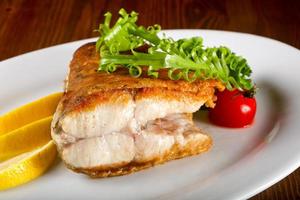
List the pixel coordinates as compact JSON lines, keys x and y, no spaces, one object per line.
{"x":163,"y":30}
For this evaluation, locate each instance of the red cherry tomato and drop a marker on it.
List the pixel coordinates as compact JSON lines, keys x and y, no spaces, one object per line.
{"x":233,"y":109}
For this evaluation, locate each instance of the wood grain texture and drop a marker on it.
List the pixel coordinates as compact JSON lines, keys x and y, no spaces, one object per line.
{"x":27,"y":25}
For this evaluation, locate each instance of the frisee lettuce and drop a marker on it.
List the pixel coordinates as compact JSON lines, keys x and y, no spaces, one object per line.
{"x":184,"y":59}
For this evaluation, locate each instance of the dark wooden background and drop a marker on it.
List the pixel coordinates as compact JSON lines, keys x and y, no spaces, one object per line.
{"x":27,"y":25}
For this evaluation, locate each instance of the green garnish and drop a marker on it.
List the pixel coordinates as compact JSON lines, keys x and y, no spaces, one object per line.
{"x":184,"y":59}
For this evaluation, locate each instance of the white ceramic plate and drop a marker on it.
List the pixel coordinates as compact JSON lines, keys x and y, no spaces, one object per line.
{"x":241,"y":163}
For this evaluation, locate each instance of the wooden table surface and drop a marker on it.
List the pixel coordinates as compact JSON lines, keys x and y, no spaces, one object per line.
{"x":27,"y":25}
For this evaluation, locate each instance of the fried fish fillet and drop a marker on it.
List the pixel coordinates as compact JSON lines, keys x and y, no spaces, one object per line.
{"x":115,"y":124}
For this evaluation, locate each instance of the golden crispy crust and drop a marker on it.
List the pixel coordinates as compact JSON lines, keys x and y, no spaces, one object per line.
{"x":176,"y":152}
{"x":83,"y":73}
{"x":87,"y":102}
{"x":85,"y":87}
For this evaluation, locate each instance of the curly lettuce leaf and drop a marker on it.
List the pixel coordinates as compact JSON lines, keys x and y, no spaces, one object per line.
{"x":184,"y":59}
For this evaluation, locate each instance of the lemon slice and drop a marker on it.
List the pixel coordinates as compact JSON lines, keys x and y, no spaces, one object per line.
{"x":28,"y":113}
{"x":25,"y":139}
{"x":27,"y":166}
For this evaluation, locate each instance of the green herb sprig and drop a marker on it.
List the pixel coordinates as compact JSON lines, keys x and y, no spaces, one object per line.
{"x":184,"y":59}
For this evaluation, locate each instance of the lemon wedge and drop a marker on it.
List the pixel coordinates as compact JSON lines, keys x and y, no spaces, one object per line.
{"x":26,"y":138}
{"x":26,"y":148}
{"x":28,"y":113}
{"x":27,"y":166}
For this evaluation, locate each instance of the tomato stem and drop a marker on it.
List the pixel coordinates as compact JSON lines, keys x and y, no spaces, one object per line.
{"x":250,"y":93}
